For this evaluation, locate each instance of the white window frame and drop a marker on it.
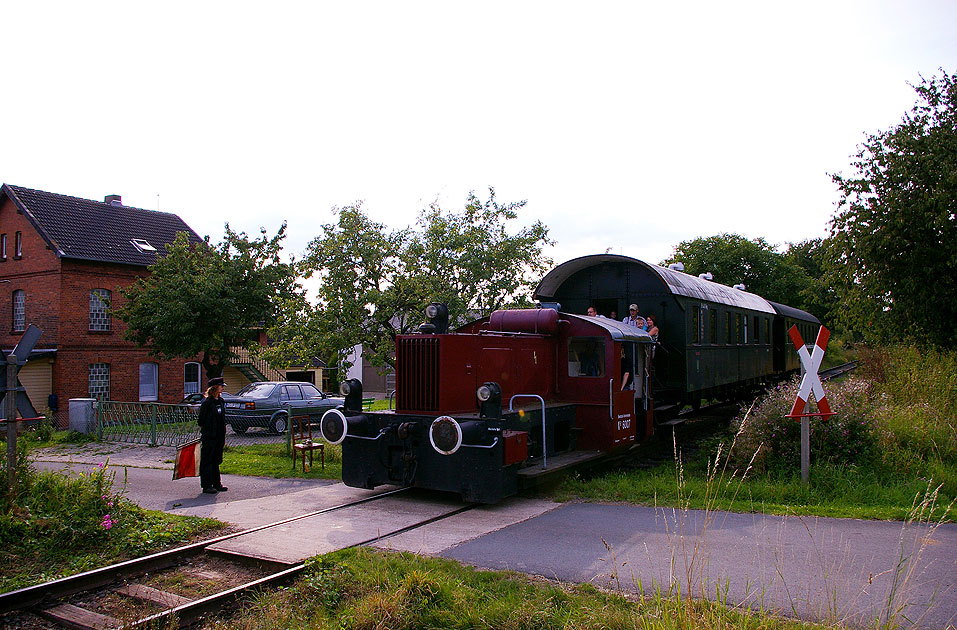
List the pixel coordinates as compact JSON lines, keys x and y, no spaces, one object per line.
{"x":149,"y":382}
{"x":191,"y":387}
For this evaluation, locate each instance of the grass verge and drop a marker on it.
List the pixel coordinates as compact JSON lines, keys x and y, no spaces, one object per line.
{"x":362,"y":588}
{"x":271,"y":460}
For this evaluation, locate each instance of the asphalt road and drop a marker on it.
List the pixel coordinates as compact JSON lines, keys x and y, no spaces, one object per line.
{"x":814,"y":568}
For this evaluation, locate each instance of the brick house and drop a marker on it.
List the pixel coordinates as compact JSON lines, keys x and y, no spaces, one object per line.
{"x":63,"y":260}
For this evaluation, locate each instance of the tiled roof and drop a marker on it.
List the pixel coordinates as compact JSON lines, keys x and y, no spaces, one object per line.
{"x":94,"y":230}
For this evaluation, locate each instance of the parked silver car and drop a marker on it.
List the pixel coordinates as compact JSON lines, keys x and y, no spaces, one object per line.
{"x":271,"y":404}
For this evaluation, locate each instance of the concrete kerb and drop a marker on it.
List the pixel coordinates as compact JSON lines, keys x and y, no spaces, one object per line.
{"x":93,"y":453}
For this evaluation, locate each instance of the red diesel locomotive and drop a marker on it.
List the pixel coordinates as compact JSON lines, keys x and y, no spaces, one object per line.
{"x":498,"y":402}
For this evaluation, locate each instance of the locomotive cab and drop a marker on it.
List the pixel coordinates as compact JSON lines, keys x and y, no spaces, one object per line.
{"x":487,"y":409}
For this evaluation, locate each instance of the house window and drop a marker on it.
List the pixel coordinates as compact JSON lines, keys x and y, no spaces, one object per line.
{"x":19,"y":311}
{"x":99,"y":309}
{"x":100,"y":381}
{"x":149,"y":381}
{"x":191,"y":378}
{"x":3,"y":246}
{"x":18,"y":245}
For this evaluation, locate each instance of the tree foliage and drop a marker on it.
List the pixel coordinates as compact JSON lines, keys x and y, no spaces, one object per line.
{"x":373,"y":282}
{"x":895,"y":232}
{"x":201,"y":299}
{"x":733,"y":259}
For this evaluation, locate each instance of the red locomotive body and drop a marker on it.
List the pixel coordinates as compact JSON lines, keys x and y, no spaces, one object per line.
{"x":484,"y":410}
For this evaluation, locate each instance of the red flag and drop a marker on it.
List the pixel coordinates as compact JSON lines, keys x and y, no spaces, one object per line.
{"x":187,"y":460}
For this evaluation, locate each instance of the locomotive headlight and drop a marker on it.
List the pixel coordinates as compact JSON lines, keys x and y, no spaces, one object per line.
{"x":333,"y":427}
{"x":445,"y":434}
{"x":351,"y":389}
{"x":489,"y":396}
{"x":438,"y":315}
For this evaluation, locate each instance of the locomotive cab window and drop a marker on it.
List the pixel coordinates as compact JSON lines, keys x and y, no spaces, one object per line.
{"x":586,"y":356}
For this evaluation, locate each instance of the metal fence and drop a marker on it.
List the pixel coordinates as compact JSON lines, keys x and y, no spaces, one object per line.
{"x":159,"y":424}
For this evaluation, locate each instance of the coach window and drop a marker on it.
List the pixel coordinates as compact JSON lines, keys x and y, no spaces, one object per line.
{"x":19,"y":311}
{"x":586,"y":356}
{"x":729,"y":321}
{"x":695,"y":325}
{"x":149,"y":382}
{"x":767,"y":330}
{"x":743,"y":328}
{"x":714,"y":326}
{"x":191,"y":378}
{"x":99,"y":310}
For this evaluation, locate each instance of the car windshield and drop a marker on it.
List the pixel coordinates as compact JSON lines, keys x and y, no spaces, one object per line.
{"x":256,"y":390}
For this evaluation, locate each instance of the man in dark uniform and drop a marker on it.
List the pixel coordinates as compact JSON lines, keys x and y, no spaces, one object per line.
{"x":212,"y":428}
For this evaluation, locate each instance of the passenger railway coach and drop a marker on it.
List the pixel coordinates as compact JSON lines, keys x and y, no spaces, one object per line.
{"x":715,"y":341}
{"x":492,"y":406}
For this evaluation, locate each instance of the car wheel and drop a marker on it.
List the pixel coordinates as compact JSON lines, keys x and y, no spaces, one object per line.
{"x":278,"y":424}
{"x":239,"y":429}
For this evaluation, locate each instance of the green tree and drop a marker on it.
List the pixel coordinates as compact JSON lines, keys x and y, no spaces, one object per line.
{"x":201,"y":299}
{"x":733,"y":259}
{"x":895,"y":232}
{"x":373,"y":283}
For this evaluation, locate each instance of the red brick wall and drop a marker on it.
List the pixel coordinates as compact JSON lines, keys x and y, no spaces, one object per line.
{"x":36,"y":274}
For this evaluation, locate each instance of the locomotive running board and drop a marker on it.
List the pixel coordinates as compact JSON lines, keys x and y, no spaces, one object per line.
{"x":560,"y":462}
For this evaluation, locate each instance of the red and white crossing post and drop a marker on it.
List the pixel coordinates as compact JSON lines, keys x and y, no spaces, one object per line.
{"x":810,"y":383}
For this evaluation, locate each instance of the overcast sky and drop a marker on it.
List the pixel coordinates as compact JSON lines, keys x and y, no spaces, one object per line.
{"x":626,"y":125}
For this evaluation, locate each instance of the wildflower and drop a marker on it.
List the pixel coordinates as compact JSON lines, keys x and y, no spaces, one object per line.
{"x":107,"y":522}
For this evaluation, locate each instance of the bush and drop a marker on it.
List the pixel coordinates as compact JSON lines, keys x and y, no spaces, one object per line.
{"x":67,"y":512}
{"x":774,"y":441}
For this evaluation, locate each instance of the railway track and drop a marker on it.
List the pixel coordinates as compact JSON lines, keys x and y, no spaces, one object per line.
{"x":126,"y":587}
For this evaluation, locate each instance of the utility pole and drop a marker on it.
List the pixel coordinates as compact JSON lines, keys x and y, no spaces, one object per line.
{"x":10,"y":413}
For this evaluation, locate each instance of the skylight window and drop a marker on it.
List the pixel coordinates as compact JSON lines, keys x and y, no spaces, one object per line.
{"x":142,"y":245}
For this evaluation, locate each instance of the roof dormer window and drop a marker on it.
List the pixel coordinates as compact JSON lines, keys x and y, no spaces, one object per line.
{"x":142,"y":245}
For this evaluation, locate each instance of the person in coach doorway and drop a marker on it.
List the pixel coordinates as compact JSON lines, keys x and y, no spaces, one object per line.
{"x":212,"y":436}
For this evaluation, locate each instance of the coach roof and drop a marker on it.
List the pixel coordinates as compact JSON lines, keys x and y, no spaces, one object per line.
{"x":677,"y":282}
{"x":94,"y":230}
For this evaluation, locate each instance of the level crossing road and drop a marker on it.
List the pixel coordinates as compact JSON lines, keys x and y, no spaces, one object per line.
{"x":814,"y":568}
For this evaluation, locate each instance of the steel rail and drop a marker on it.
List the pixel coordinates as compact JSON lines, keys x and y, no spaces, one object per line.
{"x":97,"y":578}
{"x":190,"y":613}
